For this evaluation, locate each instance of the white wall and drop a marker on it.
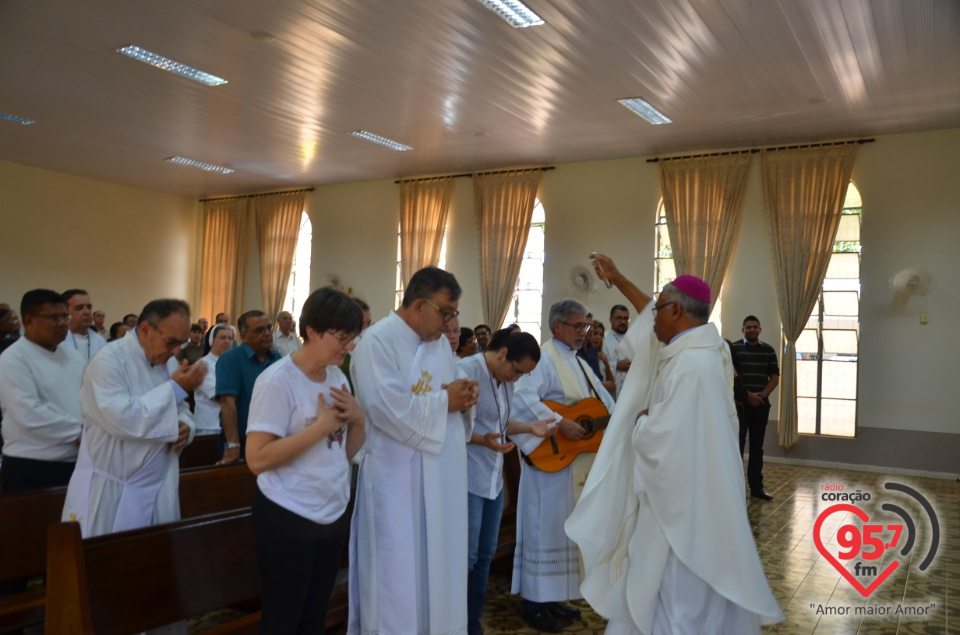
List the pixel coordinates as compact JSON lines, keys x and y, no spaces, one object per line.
{"x":124,"y":245}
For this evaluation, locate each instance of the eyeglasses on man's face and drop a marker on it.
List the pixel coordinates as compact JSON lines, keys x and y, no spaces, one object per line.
{"x":56,"y":318}
{"x":657,"y":309}
{"x":582,"y":327}
{"x":446,"y":316}
{"x":170,"y":343}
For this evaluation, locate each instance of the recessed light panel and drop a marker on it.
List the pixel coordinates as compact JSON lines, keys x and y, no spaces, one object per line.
{"x":209,"y":167}
{"x":375,"y":138}
{"x":517,"y":14}
{"x":641,"y":107}
{"x":15,"y":119}
{"x":167,"y":64}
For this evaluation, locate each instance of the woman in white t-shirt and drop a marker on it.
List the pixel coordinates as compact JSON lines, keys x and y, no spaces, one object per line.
{"x":206,"y":409}
{"x":304,"y":427}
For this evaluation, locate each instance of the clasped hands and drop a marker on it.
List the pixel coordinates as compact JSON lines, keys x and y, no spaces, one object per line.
{"x":462,"y":394}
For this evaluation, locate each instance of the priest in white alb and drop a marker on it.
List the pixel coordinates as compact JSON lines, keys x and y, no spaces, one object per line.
{"x":136,"y":421}
{"x":408,"y":537}
{"x":546,"y":568}
{"x":662,"y":522}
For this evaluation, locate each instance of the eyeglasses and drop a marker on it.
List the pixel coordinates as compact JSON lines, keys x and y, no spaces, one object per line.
{"x":583,"y":327}
{"x":170,"y":343}
{"x":59,"y":318}
{"x":662,"y":306}
{"x":446,"y":316}
{"x":260,"y":330}
{"x":517,"y":373}
{"x":342,"y":338}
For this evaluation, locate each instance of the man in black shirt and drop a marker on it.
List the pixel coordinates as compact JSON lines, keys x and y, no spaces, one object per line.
{"x":761,"y":374}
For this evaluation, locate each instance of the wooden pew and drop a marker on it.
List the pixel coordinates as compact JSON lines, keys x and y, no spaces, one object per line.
{"x":136,"y":580}
{"x":24,"y":519}
{"x":202,"y":452}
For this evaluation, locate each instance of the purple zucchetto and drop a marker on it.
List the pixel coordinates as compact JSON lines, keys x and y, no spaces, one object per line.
{"x":693,"y":287}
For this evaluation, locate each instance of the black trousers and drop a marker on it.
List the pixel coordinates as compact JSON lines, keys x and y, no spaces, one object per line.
{"x":299,"y":560}
{"x":753,"y":422}
{"x":23,"y":475}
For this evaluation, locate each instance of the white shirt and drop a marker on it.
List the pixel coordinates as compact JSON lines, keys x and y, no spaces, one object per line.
{"x":611,"y":347}
{"x":39,"y":393}
{"x":316,"y":484}
{"x":206,"y":409}
{"x":87,"y":345}
{"x":484,"y":466}
{"x":286,"y":344}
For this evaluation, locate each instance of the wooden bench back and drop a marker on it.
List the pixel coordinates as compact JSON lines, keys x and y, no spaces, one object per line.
{"x":137,"y":580}
{"x":24,"y":517}
{"x":202,"y":452}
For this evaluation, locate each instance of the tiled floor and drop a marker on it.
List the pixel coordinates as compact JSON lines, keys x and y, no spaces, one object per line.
{"x":811,"y":591}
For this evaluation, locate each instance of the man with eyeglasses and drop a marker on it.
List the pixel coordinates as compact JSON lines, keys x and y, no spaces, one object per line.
{"x":136,"y":420}
{"x":619,"y":323}
{"x":409,"y":532}
{"x":674,"y":551}
{"x":81,"y":335}
{"x":237,"y":372}
{"x":39,"y":388}
{"x":546,"y":569}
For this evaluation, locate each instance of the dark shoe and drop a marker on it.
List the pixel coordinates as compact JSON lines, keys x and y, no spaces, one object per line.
{"x":542,"y":620}
{"x":762,"y":494}
{"x":562,"y":612}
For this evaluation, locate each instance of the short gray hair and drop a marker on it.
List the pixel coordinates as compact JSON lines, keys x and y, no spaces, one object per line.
{"x":696,"y":309}
{"x":563,"y":309}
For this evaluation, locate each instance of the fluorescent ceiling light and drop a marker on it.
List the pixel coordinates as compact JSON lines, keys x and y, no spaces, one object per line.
{"x":167,"y":64}
{"x":209,"y":167}
{"x":640,"y":107}
{"x":516,"y":13}
{"x":15,"y":119}
{"x":375,"y":138}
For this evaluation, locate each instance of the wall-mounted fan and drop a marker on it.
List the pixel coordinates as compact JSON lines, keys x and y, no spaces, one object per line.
{"x":583,"y":280}
{"x":911,"y":281}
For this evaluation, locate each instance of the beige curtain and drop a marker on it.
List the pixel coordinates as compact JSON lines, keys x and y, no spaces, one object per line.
{"x":223,"y":257}
{"x":278,"y":226}
{"x":504,"y":205}
{"x":424,"y":205}
{"x":702,"y":198}
{"x":803,"y":192}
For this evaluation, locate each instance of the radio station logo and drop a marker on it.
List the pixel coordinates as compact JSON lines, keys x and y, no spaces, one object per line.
{"x":867,"y":546}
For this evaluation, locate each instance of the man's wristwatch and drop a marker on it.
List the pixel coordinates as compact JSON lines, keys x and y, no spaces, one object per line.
{"x":231,"y":446}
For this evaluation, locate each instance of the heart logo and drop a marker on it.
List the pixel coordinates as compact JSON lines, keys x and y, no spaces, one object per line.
{"x":862,"y":515}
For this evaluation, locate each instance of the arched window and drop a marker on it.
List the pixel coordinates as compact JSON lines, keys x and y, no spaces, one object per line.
{"x":665,"y":269}
{"x":298,"y":287}
{"x":526,"y":307}
{"x":828,"y":349}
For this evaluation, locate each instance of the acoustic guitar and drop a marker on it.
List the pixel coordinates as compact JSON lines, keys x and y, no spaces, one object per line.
{"x":558,"y":451}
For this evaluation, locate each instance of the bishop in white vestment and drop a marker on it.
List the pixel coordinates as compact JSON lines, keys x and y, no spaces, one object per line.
{"x":136,"y":420}
{"x":674,"y":553}
{"x":408,"y":538}
{"x":546,"y":567}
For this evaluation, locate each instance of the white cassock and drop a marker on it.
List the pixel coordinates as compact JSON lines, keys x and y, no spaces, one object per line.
{"x":127,"y":474}
{"x":546,"y":566}
{"x":88,"y":346}
{"x":674,"y":552}
{"x":408,"y":536}
{"x":611,"y":347}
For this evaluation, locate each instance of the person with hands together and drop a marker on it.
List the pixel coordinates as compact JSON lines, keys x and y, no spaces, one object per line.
{"x":507,"y":357}
{"x":303,"y":428}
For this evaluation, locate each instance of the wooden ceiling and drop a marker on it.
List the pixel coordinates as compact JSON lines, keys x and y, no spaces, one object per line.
{"x":454,"y":81}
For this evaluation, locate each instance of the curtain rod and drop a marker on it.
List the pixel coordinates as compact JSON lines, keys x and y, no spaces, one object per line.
{"x":460,"y":176}
{"x":755,"y":150}
{"x":234,"y":198}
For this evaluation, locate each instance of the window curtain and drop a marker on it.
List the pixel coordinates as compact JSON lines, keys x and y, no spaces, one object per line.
{"x":278,"y":226}
{"x":803,"y":192}
{"x":223,"y":256}
{"x":424,"y":206}
{"x":503,"y":203}
{"x":702,"y":199}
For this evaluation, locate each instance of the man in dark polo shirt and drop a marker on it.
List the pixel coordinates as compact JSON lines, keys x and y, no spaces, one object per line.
{"x":237,"y":372}
{"x":761,"y":374}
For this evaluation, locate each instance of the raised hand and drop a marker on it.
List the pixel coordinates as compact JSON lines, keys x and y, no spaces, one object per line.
{"x":189,"y":377}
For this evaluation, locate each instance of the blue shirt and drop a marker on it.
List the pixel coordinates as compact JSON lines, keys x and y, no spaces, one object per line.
{"x":237,"y":372}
